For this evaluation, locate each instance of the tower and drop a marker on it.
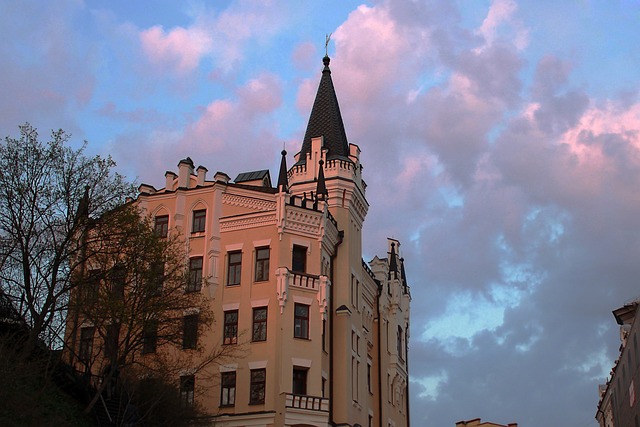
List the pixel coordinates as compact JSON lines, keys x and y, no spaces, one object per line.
{"x":322,"y":334}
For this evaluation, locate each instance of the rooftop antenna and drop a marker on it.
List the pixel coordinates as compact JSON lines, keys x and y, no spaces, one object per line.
{"x":327,"y":38}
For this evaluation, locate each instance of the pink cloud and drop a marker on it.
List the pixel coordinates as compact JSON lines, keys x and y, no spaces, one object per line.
{"x":501,"y":13}
{"x":180,"y":47}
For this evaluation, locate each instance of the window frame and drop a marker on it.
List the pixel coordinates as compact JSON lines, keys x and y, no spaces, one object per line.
{"x":157,"y":277}
{"x":230,"y":331}
{"x":198,"y":221}
{"x":190,"y":325}
{"x":299,"y":258}
{"x":161,"y":226}
{"x":187,"y":390}
{"x":262,"y":264}
{"x":301,"y":322}
{"x":150,"y":337}
{"x":85,"y":346}
{"x":257,"y":385}
{"x":299,"y":381}
{"x":259,"y":335}
{"x":228,"y":389}
{"x":194,"y":283}
{"x":235,"y":279}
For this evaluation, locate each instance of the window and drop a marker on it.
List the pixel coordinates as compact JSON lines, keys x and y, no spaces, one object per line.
{"x":118,"y":281}
{"x":324,"y":334}
{"x":259,"y":324}
{"x":199,"y":220}
{"x":111,"y":341}
{"x":187,"y":389}
{"x":231,"y":327}
{"x":258,"y":383}
{"x":161,"y":226}
{"x":195,"y":274}
{"x":149,"y":337}
{"x":157,"y":278}
{"x":301,"y":321}
{"x":233,"y":270}
{"x":400,"y":352}
{"x":190,"y":331}
{"x":299,"y":259}
{"x":86,"y":345}
{"x":228,"y":392}
{"x":92,"y":286}
{"x":299,"y":381}
{"x":369,"y":385}
{"x":262,"y":264}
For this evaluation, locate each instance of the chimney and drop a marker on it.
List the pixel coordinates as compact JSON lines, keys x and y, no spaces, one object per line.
{"x":185,"y":170}
{"x":202,"y":174}
{"x":169,"y":178}
{"x":222,"y":177}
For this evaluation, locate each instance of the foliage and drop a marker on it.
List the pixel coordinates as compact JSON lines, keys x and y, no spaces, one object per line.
{"x":132,"y":291}
{"x":28,"y":395}
{"x":41,"y":184}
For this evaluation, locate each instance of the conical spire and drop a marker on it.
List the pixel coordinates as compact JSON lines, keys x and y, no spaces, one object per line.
{"x":283,"y":184}
{"x":326,"y":120}
{"x":403,"y":275}
{"x":321,"y":188}
{"x":83,"y":205}
{"x":393,"y":264}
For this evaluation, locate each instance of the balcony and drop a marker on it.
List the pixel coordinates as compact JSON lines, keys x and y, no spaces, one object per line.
{"x":310,"y":403}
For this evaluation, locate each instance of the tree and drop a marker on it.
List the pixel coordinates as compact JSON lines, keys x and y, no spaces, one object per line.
{"x":145,"y":311}
{"x":41,"y":184}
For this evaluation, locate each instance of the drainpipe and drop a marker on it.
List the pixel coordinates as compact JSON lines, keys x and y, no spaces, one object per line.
{"x":379,"y":354}
{"x":331,"y":328}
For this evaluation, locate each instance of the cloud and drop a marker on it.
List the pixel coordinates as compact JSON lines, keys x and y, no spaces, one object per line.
{"x":221,"y":128}
{"x":180,"y":48}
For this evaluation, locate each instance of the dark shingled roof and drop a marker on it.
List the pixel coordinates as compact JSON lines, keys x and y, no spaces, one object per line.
{"x":252,"y":176}
{"x":326,"y":120}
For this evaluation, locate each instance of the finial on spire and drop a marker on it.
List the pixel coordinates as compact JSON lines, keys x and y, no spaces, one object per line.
{"x":321,"y":187}
{"x":327,"y":38}
{"x":283,"y":184}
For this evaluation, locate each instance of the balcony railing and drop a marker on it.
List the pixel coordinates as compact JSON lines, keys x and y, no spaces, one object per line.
{"x":310,"y":403}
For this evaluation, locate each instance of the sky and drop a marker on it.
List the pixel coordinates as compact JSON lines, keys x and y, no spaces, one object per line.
{"x":500,"y":142}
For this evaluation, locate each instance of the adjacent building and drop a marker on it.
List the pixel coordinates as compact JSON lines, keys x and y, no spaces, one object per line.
{"x":618,"y":406}
{"x":324,"y":333}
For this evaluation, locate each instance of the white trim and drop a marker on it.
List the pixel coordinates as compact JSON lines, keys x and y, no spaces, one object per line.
{"x":231,"y":306}
{"x":229,"y":367}
{"x":260,"y":303}
{"x":300,"y":242}
{"x":304,"y":363}
{"x":302,"y":300}
{"x":234,"y":247}
{"x":261,"y":243}
{"x":258,"y":364}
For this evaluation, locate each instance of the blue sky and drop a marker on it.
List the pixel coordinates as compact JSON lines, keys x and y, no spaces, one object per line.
{"x":500,"y":141}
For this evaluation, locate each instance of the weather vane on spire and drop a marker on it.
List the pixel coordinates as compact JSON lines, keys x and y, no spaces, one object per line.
{"x":327,"y":38}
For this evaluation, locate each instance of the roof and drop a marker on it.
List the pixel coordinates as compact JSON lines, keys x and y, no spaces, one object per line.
{"x":325,"y":120}
{"x":252,"y":176}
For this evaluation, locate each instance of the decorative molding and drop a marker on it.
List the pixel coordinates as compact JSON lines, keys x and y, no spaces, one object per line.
{"x":303,"y":221}
{"x":248,"y":202}
{"x":247,"y":221}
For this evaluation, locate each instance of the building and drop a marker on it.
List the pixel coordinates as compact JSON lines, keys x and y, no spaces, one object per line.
{"x":326,"y":334}
{"x":477,"y":422}
{"x":618,"y":406}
